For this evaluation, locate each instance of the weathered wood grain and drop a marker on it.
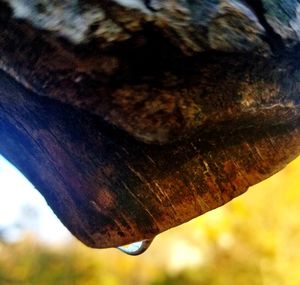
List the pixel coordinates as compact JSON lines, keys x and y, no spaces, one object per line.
{"x":149,"y":78}
{"x":131,"y":120}
{"x":109,"y":189}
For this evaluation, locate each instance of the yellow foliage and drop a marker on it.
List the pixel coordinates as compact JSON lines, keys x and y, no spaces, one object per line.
{"x":252,"y":240}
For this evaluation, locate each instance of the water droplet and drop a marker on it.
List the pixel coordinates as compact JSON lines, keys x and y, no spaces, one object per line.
{"x":136,"y":248}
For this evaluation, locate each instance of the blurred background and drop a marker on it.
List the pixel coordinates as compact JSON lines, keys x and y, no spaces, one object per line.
{"x":252,"y":240}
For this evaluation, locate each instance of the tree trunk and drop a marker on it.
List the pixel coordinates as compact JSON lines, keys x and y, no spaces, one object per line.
{"x":132,"y":120}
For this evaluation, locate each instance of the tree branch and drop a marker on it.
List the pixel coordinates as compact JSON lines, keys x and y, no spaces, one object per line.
{"x":132,"y":120}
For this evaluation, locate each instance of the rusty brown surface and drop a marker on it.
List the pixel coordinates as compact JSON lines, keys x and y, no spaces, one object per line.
{"x":151,"y":117}
{"x":109,"y":189}
{"x":145,"y":84}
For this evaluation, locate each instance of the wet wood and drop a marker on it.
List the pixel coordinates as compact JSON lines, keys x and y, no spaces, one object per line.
{"x":109,"y":189}
{"x":142,"y":118}
{"x":148,"y":73}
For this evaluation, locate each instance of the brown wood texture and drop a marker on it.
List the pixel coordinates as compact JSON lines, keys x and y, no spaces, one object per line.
{"x":109,"y":189}
{"x":157,"y":78}
{"x":137,"y":120}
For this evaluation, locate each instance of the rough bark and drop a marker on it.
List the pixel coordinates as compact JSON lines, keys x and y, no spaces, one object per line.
{"x":131,"y":120}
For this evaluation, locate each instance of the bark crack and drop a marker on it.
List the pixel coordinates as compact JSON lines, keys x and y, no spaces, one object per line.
{"x":272,"y":38}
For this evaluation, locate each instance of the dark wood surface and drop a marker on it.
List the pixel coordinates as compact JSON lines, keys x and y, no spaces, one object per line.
{"x":148,"y":117}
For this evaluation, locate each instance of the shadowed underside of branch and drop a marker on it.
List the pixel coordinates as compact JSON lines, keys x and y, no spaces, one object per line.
{"x":132,"y":117}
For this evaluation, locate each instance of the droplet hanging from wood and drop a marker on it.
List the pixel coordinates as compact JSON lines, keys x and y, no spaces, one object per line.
{"x":136,"y":248}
